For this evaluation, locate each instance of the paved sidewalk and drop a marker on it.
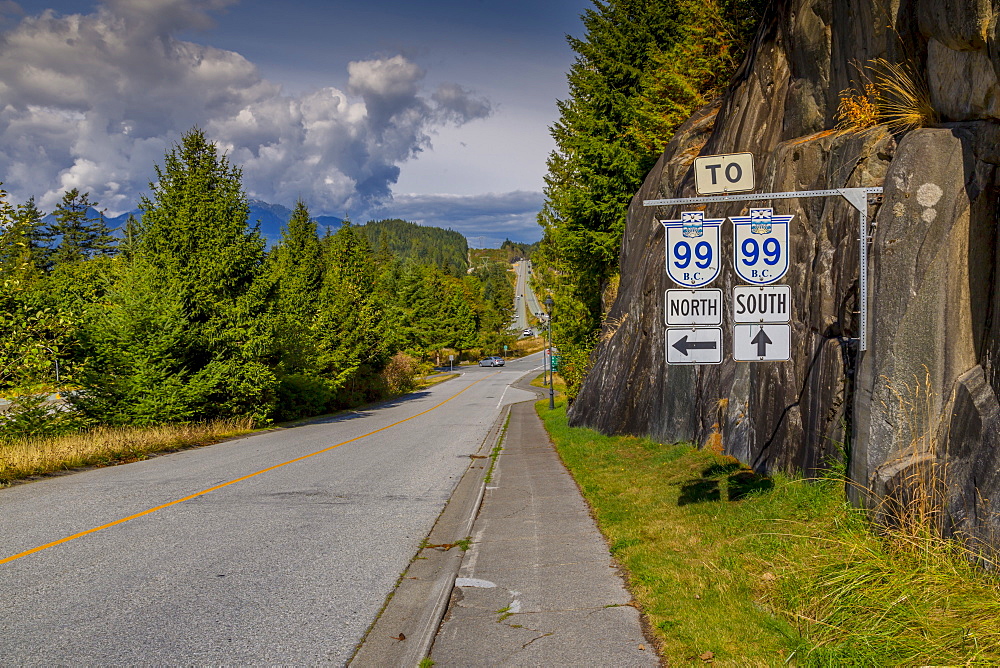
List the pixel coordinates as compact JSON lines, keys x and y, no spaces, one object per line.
{"x":538,"y":586}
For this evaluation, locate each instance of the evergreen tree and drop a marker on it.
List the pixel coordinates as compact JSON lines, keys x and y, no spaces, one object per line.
{"x":350,"y":327}
{"x":81,"y":236}
{"x":296,"y":272}
{"x":30,"y":333}
{"x":24,"y":242}
{"x":186,"y":335}
{"x":298,"y":266}
{"x":641,"y":68}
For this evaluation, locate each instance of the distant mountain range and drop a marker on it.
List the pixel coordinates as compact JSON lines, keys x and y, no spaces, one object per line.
{"x":272,"y":218}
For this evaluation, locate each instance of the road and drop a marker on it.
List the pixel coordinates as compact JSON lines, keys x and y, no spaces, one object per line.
{"x":525,"y":301}
{"x":279,"y":547}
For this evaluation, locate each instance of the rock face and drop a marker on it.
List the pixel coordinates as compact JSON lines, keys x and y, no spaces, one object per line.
{"x":923,"y":397}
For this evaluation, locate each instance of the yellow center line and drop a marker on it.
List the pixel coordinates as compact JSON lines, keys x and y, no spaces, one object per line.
{"x":226,"y":484}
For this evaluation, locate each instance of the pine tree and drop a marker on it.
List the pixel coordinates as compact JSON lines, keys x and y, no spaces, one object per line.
{"x":187,"y":334}
{"x":298,"y":266}
{"x":350,"y":327}
{"x":81,"y":236}
{"x":295,"y":268}
{"x":641,"y":66}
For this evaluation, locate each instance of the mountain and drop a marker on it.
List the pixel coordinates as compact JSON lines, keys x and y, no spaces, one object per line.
{"x":271,"y":218}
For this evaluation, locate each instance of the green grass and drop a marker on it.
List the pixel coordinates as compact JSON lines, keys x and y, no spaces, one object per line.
{"x":764,"y":571}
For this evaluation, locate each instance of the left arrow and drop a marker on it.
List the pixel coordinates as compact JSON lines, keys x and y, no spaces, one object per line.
{"x":683,"y":345}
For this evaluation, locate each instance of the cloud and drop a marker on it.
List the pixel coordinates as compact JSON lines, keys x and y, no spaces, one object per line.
{"x":93,"y":101}
{"x":486,"y":218}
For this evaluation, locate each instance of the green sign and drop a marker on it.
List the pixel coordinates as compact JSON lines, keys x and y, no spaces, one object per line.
{"x":555,"y":363}
{"x":505,"y":346}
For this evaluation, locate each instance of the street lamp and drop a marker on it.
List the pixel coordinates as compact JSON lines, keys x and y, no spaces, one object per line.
{"x":552,"y":393}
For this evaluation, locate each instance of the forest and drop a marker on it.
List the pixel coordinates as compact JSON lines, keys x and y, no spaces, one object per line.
{"x":642,"y":68}
{"x":185,"y":315}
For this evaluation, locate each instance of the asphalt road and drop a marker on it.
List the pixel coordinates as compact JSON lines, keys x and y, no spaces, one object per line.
{"x":525,"y":302}
{"x":289,"y":566}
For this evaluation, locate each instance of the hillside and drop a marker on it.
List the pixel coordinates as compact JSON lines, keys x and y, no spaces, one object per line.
{"x":922,"y":399}
{"x":446,"y":249}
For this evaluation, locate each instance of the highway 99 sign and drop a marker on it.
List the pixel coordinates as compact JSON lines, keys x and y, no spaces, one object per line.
{"x":760,"y":242}
{"x":692,"y":248}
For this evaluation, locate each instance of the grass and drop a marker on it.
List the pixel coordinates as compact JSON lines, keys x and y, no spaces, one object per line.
{"x":888,"y":93}
{"x":753,"y":570}
{"x":107,"y":446}
{"x":529,"y":345}
{"x":430,"y":381}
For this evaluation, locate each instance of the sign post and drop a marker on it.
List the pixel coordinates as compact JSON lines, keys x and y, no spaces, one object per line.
{"x":856,"y":197}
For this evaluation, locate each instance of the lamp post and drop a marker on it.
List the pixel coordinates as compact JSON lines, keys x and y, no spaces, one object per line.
{"x":548,"y":330}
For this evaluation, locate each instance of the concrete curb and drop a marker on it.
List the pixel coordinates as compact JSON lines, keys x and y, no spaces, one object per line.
{"x":404,"y":631}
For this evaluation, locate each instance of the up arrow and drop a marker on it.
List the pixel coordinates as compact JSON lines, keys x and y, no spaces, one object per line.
{"x":683,"y":345}
{"x":761,"y":341}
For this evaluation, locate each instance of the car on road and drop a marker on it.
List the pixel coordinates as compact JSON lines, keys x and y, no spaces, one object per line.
{"x":527,"y":332}
{"x":494,"y":360}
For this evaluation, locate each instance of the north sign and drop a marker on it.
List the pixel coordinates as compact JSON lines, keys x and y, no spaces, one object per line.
{"x":761,"y":244}
{"x":693,"y":307}
{"x":720,"y":174}
{"x":764,"y":303}
{"x":761,"y":343}
{"x":694,"y":345}
{"x":692,"y":249}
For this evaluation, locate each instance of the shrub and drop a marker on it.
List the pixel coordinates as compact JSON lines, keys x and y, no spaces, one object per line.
{"x":301,"y":395}
{"x":32,"y":415}
{"x":400,"y":375}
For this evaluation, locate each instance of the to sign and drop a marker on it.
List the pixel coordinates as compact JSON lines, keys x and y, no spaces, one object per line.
{"x":693,"y":307}
{"x":761,"y":244}
{"x":692,"y":249}
{"x":761,"y":343}
{"x":695,"y":345}
{"x":717,"y":174}
{"x":761,"y":303}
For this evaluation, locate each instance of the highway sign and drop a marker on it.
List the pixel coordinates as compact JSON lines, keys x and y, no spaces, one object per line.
{"x":718,"y":174}
{"x":763,"y":303}
{"x":694,"y":345}
{"x":693,"y":307}
{"x":761,"y":244}
{"x":692,"y":249}
{"x":761,"y":343}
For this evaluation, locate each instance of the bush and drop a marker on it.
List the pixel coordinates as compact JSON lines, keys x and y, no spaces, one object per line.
{"x":400,"y":375}
{"x":301,"y":395}
{"x":32,"y":415}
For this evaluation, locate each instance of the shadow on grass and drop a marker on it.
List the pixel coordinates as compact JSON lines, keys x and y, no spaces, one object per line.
{"x":699,"y":491}
{"x":747,"y":482}
{"x":740,"y":484}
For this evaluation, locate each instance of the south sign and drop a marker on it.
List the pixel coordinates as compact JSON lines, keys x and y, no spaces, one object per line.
{"x":761,"y":246}
{"x":692,"y":249}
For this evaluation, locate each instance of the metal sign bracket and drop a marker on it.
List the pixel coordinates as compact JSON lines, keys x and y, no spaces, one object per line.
{"x":856,"y":197}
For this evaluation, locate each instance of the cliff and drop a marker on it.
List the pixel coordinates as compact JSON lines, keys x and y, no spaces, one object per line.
{"x":921,"y":402}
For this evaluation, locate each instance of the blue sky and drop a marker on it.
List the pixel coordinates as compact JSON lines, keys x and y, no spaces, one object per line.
{"x":436,"y":112}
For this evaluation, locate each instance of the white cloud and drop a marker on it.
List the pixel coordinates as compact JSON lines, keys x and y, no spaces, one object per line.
{"x":93,"y":101}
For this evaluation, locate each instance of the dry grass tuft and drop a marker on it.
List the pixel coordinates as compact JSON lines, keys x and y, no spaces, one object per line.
{"x":891,"y":94}
{"x":107,"y":446}
{"x":858,"y":109}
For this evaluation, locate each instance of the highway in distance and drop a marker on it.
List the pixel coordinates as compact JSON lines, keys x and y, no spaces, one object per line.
{"x":236,"y":552}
